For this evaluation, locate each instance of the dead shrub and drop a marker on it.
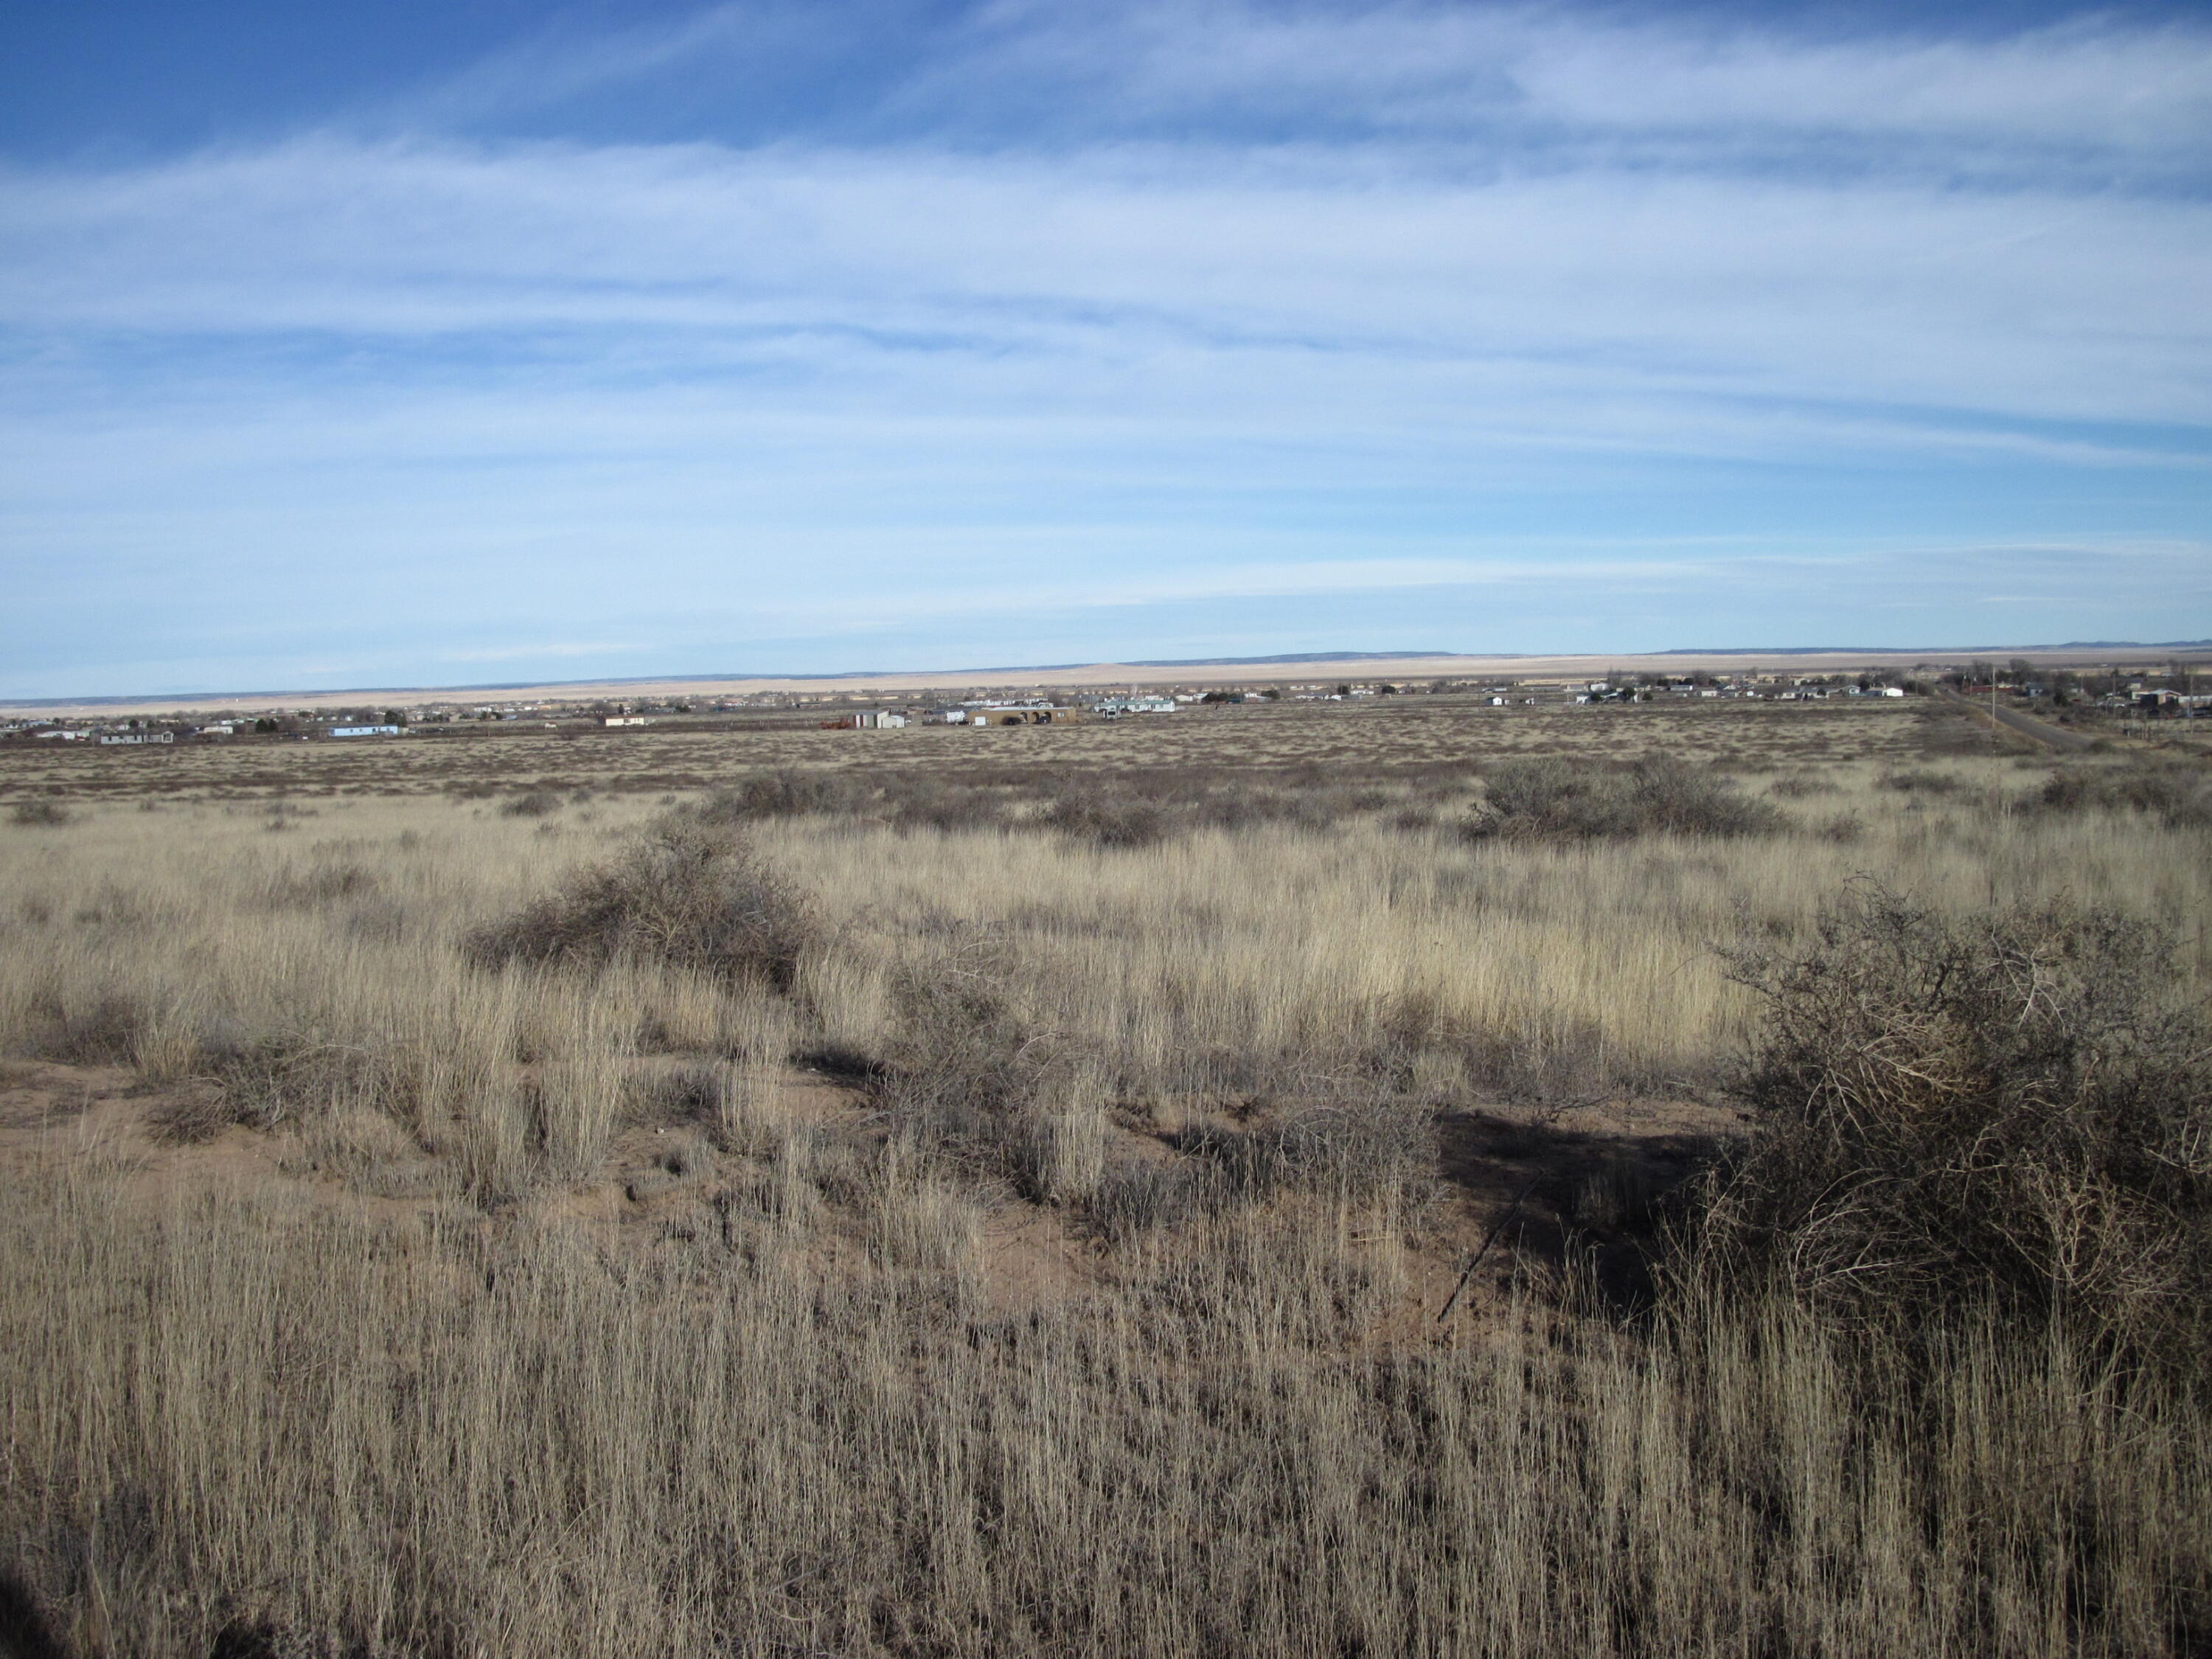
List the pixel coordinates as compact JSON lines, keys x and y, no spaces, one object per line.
{"x":1376,"y":1154}
{"x":196,"y":1113}
{"x":268,"y":1078}
{"x":101,"y":1032}
{"x":922,"y":803}
{"x":2178,"y":796}
{"x":688,"y":893}
{"x":1103,"y":820}
{"x":1551,"y":797}
{"x":533,"y":803}
{"x":324,"y":883}
{"x":683,"y":1094}
{"x":39,"y":814}
{"x":784,"y":794}
{"x":967,"y":1066}
{"x":1554,"y":1060}
{"x":1133,"y":1198}
{"x":1922,"y":783}
{"x":2013,"y":1108}
{"x":1615,"y":1197}
{"x":1242,"y":806}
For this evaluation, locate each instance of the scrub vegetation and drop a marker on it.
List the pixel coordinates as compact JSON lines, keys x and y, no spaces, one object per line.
{"x":1441,"y":1181}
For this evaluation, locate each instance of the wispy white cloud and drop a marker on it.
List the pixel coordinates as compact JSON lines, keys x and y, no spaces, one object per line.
{"x":2101,"y":85}
{"x":1458,"y":69}
{"x":1209,"y":304}
{"x":820,"y":265}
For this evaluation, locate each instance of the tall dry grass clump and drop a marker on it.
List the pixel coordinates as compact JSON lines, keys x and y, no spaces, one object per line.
{"x":2012,"y":1110}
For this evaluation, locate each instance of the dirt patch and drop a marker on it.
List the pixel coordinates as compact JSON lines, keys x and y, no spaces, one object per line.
{"x":1579,"y":1174}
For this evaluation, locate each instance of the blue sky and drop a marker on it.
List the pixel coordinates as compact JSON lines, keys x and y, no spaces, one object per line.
{"x":433,"y":344}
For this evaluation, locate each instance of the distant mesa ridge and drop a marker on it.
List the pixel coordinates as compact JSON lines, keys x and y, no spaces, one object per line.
{"x":1295,"y":657}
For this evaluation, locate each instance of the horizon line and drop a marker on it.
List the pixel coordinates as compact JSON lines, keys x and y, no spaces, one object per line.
{"x":1281,"y":660}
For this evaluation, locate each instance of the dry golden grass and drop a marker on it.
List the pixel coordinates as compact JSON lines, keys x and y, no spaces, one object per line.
{"x":237,"y":1415}
{"x":1079,"y":1298}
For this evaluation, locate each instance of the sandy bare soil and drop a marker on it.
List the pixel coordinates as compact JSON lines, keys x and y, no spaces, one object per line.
{"x":1529,"y":1167}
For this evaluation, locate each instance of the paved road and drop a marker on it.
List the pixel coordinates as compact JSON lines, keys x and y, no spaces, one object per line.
{"x":2042,"y":731}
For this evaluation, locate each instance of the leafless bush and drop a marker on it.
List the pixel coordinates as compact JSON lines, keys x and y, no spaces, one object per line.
{"x":687,"y":894}
{"x":323,"y":882}
{"x":2180,"y":796}
{"x":99,"y":1031}
{"x":190,"y":1115}
{"x":1378,"y":1152}
{"x":1137,"y":1197}
{"x":1555,"y":798}
{"x":38,"y":814}
{"x":533,"y":804}
{"x":2015,"y":1108}
{"x":913,"y":803}
{"x":1559,"y":1058}
{"x":683,"y":1094}
{"x":1107,"y":820}
{"x":1922,"y":783}
{"x":1795,"y":786}
{"x":269,"y":1078}
{"x":969,"y":1070}
{"x":784,"y":794}
{"x":1615,"y":1196}
{"x":1243,"y":805}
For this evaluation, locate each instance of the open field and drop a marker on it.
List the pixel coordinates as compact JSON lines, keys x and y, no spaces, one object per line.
{"x":950,"y":1192}
{"x":1394,"y":740}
